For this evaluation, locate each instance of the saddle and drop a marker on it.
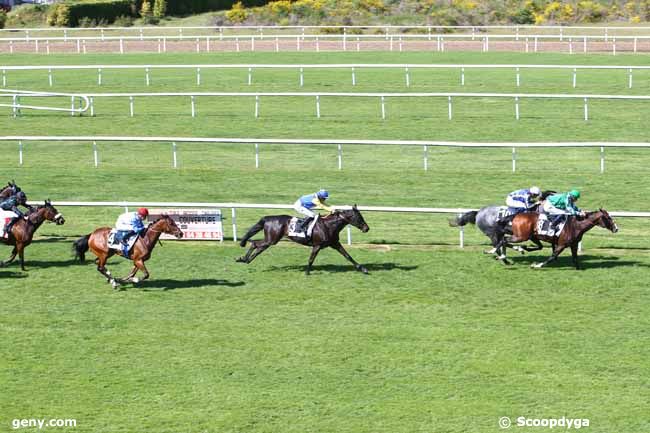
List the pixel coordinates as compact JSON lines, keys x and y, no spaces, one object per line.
{"x":115,"y":242}
{"x":506,"y":214}
{"x":546,"y":227}
{"x":298,"y":227}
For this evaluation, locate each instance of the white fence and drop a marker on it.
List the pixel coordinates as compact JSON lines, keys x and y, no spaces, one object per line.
{"x":300,"y":69}
{"x":16,"y":96}
{"x":235,"y":206}
{"x":256,"y":142}
{"x":317,"y":43}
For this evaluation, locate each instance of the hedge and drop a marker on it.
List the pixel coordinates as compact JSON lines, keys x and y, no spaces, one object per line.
{"x":107,"y":10}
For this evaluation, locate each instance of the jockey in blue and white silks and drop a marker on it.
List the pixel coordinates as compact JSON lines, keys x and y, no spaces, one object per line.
{"x":130,"y":223}
{"x":306,"y":203}
{"x":523,"y":199}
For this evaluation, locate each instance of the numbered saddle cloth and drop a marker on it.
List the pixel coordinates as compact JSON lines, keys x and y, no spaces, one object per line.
{"x":298,"y":227}
{"x":115,"y":244}
{"x":5,"y":218}
{"x":545,"y":228}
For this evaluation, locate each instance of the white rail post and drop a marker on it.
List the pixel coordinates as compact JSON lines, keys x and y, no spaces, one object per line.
{"x":237,"y":44}
{"x":401,"y":48}
{"x":383,"y":108}
{"x":121,"y":46}
{"x":198,"y":47}
{"x":11,"y":47}
{"x":317,"y":45}
{"x":207,"y":44}
{"x":318,"y":106}
{"x":159,"y":46}
{"x":575,"y":77}
{"x":586,"y":110}
{"x":95,"y":155}
{"x":297,"y":43}
{"x":584,"y":45}
{"x":614,"y":46}
{"x":438,"y":43}
{"x":257,"y":155}
{"x":131,"y":108}
{"x":349,"y":235}
{"x":47,"y":46}
{"x":635,"y":44}
{"x":340,"y":157}
{"x":514,"y":159}
{"x":390,"y":43}
{"x":442,"y":44}
{"x":629,"y":79}
{"x":408,"y":78}
{"x":78,"y":46}
{"x":198,"y":76}
{"x":20,"y":152}
{"x":277,"y":45}
{"x":102,"y":34}
{"x":517,"y":107}
{"x":462,"y":76}
{"x":71,"y":105}
{"x":49,"y":76}
{"x":234,"y":224}
{"x":570,"y":45}
{"x":518,"y":77}
{"x":193,"y":106}
{"x":527,"y":46}
{"x":252,"y":43}
{"x":92,"y":106}
{"x":426,"y":157}
{"x":561,"y":34}
{"x":83,"y":46}
{"x":602,"y":159}
{"x":345,"y":39}
{"x":449,"y":107}
{"x":65,"y":35}
{"x":358,"y":44}
{"x":487,"y":43}
{"x":302,"y":78}
{"x":606,"y":34}
{"x":257,"y":106}
{"x":535,"y":44}
{"x":174,"y":156}
{"x":164,"y":44}
{"x":141,"y":34}
{"x":16,"y":105}
{"x":250,"y":76}
{"x":462,"y":237}
{"x":146,"y":74}
{"x":99,"y":76}
{"x":354,"y":77}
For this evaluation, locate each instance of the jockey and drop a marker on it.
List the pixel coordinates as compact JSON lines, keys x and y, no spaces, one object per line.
{"x":559,"y":205}
{"x":11,"y":204}
{"x":306,"y":203}
{"x":523,"y":199}
{"x":130,"y":223}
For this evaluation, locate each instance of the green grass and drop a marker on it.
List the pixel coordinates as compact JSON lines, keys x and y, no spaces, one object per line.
{"x":435,"y":339}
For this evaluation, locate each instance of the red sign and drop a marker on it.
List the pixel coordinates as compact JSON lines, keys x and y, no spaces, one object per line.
{"x":196,"y":224}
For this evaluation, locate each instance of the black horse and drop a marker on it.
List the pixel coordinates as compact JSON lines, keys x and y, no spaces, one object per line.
{"x":325,"y":234}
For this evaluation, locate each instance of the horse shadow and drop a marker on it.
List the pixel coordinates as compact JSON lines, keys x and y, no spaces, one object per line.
{"x":586,"y":261}
{"x":12,"y":275}
{"x":372,"y":267}
{"x":169,"y":284}
{"x":44,"y":264}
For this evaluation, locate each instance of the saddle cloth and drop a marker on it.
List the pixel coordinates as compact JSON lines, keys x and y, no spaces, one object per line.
{"x":545,"y":228}
{"x":116,"y":245}
{"x":5,"y":217}
{"x":298,"y":228}
{"x":505,"y":212}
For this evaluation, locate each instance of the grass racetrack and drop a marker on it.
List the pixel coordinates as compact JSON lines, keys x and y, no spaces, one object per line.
{"x":435,"y":339}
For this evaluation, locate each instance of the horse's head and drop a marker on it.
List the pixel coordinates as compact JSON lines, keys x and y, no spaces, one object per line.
{"x":50,"y":213}
{"x":606,"y":221}
{"x":354,"y":217}
{"x":167,"y":225}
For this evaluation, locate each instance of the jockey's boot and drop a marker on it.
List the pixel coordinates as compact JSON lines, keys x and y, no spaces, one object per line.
{"x":311,"y":226}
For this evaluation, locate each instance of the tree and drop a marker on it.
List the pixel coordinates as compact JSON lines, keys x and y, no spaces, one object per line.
{"x":3,"y":18}
{"x":146,"y":13}
{"x":160,"y":8}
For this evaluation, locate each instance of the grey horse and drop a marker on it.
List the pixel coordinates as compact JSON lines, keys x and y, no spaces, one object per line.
{"x":487,"y":220}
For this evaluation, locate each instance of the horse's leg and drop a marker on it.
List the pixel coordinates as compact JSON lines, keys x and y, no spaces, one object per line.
{"x":556,"y":252}
{"x":102,"y":258}
{"x":245,"y":258}
{"x":257,"y":248}
{"x":143,"y":268}
{"x":345,"y":254}
{"x":574,"y":255}
{"x":131,"y":275}
{"x":21,"y":255}
{"x":314,"y":252}
{"x":538,"y":246}
{"x":11,"y":258}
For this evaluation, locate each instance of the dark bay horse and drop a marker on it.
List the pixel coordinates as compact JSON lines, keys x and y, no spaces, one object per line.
{"x":325,"y":234}
{"x":22,"y":232}
{"x":524,"y":227}
{"x":9,"y":190}
{"x":97,"y":242}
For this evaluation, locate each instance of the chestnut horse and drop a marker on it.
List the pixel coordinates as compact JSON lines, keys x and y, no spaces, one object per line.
{"x":325,"y":234}
{"x":97,"y":242}
{"x":524,"y":227}
{"x":22,"y":232}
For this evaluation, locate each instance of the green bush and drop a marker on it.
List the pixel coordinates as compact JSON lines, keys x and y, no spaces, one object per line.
{"x":105,"y":11}
{"x":3,"y":18}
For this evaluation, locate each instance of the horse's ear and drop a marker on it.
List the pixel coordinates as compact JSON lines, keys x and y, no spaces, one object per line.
{"x":48,"y":202}
{"x":354,"y":206}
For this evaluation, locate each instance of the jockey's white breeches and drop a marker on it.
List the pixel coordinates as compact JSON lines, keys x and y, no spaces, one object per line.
{"x":510,"y":202}
{"x":303,"y":210}
{"x":552,"y":210}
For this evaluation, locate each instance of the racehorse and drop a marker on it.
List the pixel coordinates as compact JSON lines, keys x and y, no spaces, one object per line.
{"x":9,"y":190}
{"x":22,"y":232}
{"x":325,"y":234}
{"x":524,"y":227}
{"x":487,"y":220}
{"x":97,"y":242}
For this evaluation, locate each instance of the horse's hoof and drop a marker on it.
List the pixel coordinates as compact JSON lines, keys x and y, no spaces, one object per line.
{"x":492,"y":251}
{"x":114,"y":284}
{"x":364,"y":270}
{"x":537,"y":265}
{"x":135,"y":280}
{"x":240,"y":260}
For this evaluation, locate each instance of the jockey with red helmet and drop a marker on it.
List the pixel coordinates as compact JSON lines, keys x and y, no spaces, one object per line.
{"x":130,"y":223}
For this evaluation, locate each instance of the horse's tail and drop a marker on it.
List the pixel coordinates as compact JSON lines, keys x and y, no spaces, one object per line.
{"x":80,"y":247}
{"x":251,"y":232}
{"x":463,"y":219}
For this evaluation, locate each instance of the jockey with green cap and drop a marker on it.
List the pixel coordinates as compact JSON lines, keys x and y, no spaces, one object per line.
{"x":559,"y":205}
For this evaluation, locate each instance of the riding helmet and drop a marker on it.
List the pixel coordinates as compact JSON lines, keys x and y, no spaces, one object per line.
{"x":323,"y":194}
{"x":143,"y":212}
{"x":575,"y":194}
